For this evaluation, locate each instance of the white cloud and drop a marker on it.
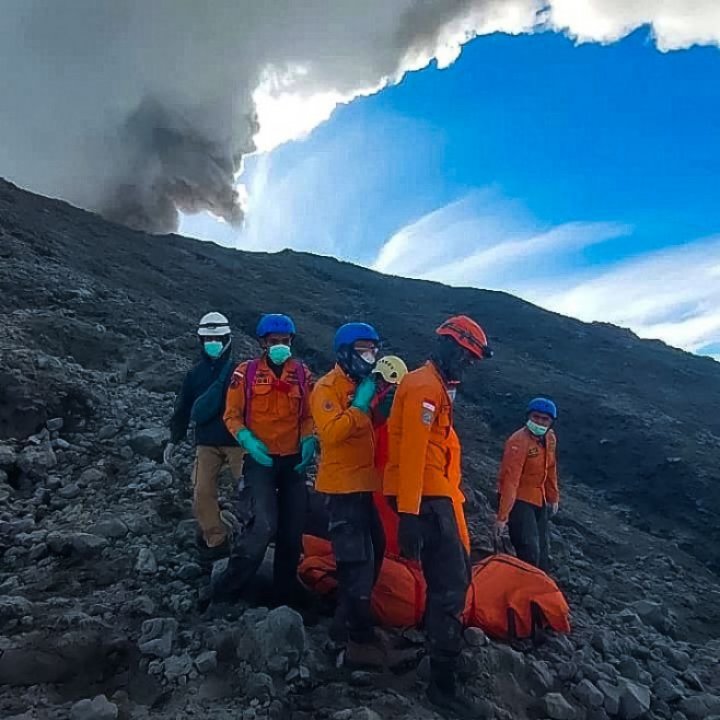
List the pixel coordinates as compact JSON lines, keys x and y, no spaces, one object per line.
{"x":487,"y":242}
{"x":675,"y":23}
{"x":671,"y":294}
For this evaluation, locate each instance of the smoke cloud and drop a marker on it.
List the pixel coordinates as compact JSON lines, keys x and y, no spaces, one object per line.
{"x":141,"y":109}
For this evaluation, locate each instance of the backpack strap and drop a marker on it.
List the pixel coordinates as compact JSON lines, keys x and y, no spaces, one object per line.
{"x":250,"y":373}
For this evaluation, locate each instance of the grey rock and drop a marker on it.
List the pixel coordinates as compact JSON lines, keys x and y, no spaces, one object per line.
{"x":679,"y":659}
{"x":36,"y":460}
{"x":99,"y":708}
{"x":475,"y":637}
{"x":206,"y":662}
{"x":157,"y":637}
{"x":694,"y":707}
{"x":259,"y":686}
{"x":149,"y":443}
{"x":176,"y":666}
{"x":189,"y":572}
{"x":91,"y":476}
{"x":160,"y":480}
{"x":146,"y":563}
{"x":361,"y":678}
{"x":278,"y":634}
{"x":666,"y":691}
{"x":654,"y":614}
{"x":556,"y":707}
{"x":634,"y":700}
{"x":589,"y":695}
{"x":693,"y":681}
{"x":14,"y":607}
{"x":611,"y":695}
{"x":142,"y":605}
{"x":540,"y":677}
{"x":8,"y":457}
{"x":110,"y":527}
{"x":70,"y":491}
{"x":568,"y":670}
{"x":629,"y":668}
{"x":55,"y":424}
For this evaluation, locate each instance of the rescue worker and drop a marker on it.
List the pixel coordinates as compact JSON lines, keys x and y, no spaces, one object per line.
{"x":341,"y":405}
{"x":388,"y":371}
{"x":528,"y":484}
{"x":202,"y":398}
{"x":418,"y":480}
{"x":268,"y":413}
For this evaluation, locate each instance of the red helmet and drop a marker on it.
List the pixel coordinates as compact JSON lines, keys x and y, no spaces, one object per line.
{"x":468,"y":334}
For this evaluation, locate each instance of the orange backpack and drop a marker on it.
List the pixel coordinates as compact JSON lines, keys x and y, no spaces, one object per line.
{"x":510,"y":599}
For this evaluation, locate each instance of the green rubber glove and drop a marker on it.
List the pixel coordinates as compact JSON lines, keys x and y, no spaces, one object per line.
{"x":364,"y":394}
{"x":308,"y":448}
{"x":257,"y":449}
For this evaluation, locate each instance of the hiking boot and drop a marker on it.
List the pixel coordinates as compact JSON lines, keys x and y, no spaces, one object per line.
{"x":378,"y":653}
{"x":366,"y":655}
{"x":444,"y":695}
{"x":210,"y":554}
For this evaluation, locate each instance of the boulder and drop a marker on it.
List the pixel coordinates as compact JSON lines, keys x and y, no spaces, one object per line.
{"x":634,"y":700}
{"x":274,"y":640}
{"x":556,"y":707}
{"x":149,"y":443}
{"x":589,"y":695}
{"x":99,"y":708}
{"x":36,"y":460}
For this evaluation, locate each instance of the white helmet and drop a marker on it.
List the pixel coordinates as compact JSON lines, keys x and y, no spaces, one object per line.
{"x":392,"y":368}
{"x":214,"y":324}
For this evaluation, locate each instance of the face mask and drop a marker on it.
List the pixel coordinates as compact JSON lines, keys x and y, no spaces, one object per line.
{"x":369,"y":357}
{"x":213,"y":349}
{"x":279,"y":354}
{"x":535,"y":429}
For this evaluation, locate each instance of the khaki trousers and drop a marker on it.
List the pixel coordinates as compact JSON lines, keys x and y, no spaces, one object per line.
{"x":209,"y":461}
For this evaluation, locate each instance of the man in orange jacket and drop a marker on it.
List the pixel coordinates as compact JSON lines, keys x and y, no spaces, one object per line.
{"x":418,"y":480}
{"x":267,"y":411}
{"x":341,"y":408}
{"x":528,"y":484}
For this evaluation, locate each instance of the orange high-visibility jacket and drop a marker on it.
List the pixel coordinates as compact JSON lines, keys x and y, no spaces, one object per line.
{"x":347,"y":442}
{"x":278,"y":415}
{"x":528,"y":471}
{"x":455,"y":477}
{"x":419,"y":431}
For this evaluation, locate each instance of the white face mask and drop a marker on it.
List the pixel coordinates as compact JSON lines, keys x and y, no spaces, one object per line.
{"x":369,"y":356}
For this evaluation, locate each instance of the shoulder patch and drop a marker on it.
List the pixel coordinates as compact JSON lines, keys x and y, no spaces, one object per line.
{"x":428,"y":405}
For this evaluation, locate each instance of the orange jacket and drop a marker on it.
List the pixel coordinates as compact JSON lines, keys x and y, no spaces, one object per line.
{"x":528,"y":471}
{"x":419,"y":430}
{"x":347,"y":441}
{"x":279,"y":415}
{"x":455,"y":477}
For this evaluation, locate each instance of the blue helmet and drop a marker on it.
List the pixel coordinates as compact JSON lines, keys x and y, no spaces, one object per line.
{"x":350,"y":333}
{"x":543,"y":405}
{"x":275,"y":324}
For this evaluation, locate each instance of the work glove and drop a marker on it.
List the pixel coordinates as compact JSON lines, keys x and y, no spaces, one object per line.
{"x":168,"y":453}
{"x":554,"y":507}
{"x":257,"y":449}
{"x":308,"y":448}
{"x":385,"y":405}
{"x":364,"y":394}
{"x":410,"y":536}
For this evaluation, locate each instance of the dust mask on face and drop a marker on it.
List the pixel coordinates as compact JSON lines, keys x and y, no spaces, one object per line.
{"x":279,"y":354}
{"x":535,"y":429}
{"x":369,"y":356}
{"x":213,"y":348}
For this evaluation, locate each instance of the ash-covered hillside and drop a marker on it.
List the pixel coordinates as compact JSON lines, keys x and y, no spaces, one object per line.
{"x":96,"y":535}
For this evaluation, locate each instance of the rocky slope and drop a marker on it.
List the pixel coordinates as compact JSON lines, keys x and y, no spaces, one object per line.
{"x":99,"y":586}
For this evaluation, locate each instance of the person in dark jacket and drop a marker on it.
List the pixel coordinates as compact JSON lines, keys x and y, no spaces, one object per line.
{"x":202,"y":399}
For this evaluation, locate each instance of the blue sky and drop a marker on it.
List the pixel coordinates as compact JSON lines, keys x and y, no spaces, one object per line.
{"x":581,"y":177}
